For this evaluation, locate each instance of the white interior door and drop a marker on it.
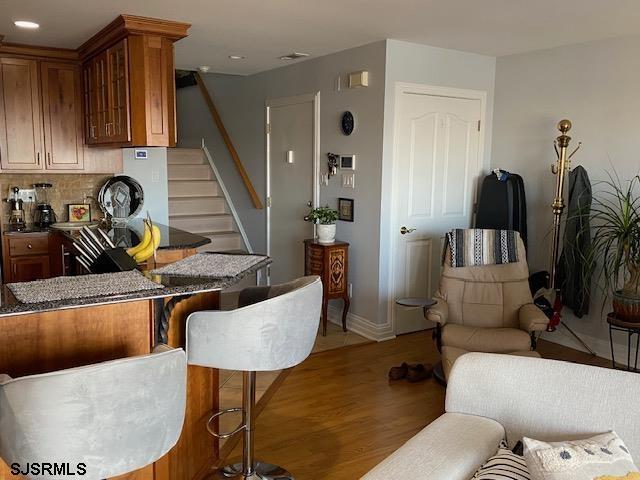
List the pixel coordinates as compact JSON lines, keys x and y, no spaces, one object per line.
{"x":291,"y":182}
{"x":437,"y":162}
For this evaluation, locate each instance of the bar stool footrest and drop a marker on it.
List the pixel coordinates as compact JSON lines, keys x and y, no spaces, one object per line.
{"x":210,"y":427}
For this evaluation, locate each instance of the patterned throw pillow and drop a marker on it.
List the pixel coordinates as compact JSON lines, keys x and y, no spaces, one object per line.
{"x":588,"y":459}
{"x":503,"y":465}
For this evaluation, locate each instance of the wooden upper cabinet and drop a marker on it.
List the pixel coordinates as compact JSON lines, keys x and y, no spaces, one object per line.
{"x":21,"y":139}
{"x":62,"y":112}
{"x":139,"y":107}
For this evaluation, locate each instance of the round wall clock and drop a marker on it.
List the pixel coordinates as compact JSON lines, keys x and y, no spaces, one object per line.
{"x":347,"y":123}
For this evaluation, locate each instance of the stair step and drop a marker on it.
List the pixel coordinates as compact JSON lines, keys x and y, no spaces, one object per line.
{"x":222,"y":242}
{"x":185,"y":156}
{"x":193,"y":188}
{"x":197,"y":206}
{"x":189,"y":172}
{"x":203,"y":223}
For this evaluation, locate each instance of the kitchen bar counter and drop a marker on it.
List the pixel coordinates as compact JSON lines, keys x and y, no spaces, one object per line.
{"x":40,"y":338}
{"x":172,"y":286}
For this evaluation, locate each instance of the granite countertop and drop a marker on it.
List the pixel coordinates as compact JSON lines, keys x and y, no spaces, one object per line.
{"x":172,"y":286}
{"x":129,"y":234}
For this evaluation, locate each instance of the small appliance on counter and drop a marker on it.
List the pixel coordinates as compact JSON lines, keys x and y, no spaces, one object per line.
{"x":44,"y":216}
{"x":16,"y":217}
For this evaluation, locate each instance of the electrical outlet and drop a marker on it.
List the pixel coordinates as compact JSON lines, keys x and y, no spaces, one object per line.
{"x":155,"y":176}
{"x":27,"y":195}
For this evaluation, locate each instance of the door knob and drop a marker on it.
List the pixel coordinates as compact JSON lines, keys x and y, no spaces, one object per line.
{"x":405,"y":230}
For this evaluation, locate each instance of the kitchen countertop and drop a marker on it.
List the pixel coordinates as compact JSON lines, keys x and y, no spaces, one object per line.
{"x":129,"y":234}
{"x":172,"y":286}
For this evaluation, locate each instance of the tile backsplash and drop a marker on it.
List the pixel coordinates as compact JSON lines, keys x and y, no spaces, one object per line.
{"x":66,"y":189}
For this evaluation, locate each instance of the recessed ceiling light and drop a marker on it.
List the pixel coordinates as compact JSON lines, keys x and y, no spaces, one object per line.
{"x":204,"y":68}
{"x":293,"y":56}
{"x":237,"y":57}
{"x":26,"y":24}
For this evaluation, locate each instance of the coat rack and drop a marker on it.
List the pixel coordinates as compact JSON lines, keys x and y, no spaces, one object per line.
{"x":560,"y":169}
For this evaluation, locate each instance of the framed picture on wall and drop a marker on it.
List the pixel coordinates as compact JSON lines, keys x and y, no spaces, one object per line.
{"x":80,"y":212}
{"x":345,"y":209}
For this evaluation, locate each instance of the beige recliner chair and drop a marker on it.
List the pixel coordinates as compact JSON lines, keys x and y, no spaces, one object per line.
{"x":485,"y":309}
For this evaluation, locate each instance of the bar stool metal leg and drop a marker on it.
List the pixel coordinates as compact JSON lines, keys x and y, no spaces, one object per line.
{"x":250,"y":469}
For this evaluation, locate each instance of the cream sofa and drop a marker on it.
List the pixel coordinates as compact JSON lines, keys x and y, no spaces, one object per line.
{"x":492,"y":396}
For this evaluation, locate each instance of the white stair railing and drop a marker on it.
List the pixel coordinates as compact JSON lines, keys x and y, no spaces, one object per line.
{"x":227,"y":197}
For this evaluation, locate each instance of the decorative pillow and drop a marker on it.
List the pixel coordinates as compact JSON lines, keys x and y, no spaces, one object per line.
{"x":503,"y":465}
{"x":602,"y":455}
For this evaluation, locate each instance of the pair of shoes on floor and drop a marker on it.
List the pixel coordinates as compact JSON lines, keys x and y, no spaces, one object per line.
{"x":413,"y":373}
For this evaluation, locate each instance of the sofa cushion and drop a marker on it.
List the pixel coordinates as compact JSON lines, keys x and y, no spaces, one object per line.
{"x":450,"y":448}
{"x":504,"y":465}
{"x":451,"y":354}
{"x":604,"y":454}
{"x":490,"y":340}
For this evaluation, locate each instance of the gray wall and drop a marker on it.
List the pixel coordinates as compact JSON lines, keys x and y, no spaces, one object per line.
{"x":241,"y":102}
{"x":595,"y":85}
{"x":422,"y":64}
{"x":152,"y":175}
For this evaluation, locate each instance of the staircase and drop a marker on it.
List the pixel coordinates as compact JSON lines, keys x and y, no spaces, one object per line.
{"x":196,"y":202}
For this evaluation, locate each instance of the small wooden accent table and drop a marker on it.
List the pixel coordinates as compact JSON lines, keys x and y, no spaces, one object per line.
{"x":330,"y":261}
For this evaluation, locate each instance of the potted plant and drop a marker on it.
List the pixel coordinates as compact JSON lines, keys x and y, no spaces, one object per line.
{"x":325,"y":220}
{"x":615,"y":251}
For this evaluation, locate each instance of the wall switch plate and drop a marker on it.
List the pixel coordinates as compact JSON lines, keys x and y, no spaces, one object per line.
{"x":348,"y":180}
{"x":155,"y":176}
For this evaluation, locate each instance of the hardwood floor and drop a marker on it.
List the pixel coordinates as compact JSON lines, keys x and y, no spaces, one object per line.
{"x":337,"y":415}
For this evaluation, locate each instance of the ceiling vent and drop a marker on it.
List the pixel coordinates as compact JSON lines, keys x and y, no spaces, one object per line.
{"x":293,"y":56}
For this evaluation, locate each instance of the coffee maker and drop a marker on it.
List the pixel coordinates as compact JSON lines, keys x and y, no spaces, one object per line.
{"x":16,"y":218}
{"x":44,"y":216}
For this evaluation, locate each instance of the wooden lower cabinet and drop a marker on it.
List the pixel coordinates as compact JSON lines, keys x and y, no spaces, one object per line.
{"x":26,"y":269}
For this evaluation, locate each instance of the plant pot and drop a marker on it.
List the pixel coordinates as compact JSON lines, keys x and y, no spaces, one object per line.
{"x":626,"y":307}
{"x":326,"y":233}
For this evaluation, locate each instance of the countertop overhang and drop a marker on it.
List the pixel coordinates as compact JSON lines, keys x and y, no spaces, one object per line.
{"x":173,"y":286}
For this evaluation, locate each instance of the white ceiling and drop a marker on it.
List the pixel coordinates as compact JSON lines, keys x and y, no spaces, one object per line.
{"x":262,"y":30}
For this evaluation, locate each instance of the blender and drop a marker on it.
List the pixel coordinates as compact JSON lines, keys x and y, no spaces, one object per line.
{"x":44,"y":216}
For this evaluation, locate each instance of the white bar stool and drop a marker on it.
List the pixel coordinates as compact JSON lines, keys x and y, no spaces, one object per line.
{"x":274,"y":328}
{"x":105,"y":419}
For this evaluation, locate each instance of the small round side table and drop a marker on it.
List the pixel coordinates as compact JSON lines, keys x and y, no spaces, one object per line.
{"x":417,"y":302}
{"x":631,"y":328}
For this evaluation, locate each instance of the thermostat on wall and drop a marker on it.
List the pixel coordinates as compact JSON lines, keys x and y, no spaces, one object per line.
{"x":141,"y":154}
{"x":347,"y":162}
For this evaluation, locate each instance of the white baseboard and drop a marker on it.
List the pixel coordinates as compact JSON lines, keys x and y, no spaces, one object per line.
{"x":361,"y":326}
{"x":601,"y":346}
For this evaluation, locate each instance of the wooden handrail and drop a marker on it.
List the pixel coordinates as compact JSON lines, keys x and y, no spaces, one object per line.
{"x":227,"y":141}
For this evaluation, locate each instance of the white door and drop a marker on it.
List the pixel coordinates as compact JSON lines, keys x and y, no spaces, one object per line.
{"x":436,"y":165}
{"x":292,"y":143}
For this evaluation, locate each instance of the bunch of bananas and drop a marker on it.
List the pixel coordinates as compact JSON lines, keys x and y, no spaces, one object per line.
{"x":148,"y":245}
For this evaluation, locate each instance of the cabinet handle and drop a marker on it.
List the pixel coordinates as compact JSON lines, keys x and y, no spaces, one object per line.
{"x":49,"y":158}
{"x":38,"y":157}
{"x":92,"y":132}
{"x":15,"y":271}
{"x":108,"y":129}
{"x":29,"y":246}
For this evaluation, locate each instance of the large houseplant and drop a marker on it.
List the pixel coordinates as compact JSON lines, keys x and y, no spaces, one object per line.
{"x":325,"y":220}
{"x":615,"y":251}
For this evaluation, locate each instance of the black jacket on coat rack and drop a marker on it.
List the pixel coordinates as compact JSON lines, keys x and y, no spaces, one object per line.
{"x":574,"y":279}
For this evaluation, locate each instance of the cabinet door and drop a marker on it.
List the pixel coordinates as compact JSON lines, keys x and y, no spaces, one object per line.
{"x":20,"y":115}
{"x":90,"y":98}
{"x":101,"y":75}
{"x":118,"y":128}
{"x":61,"y":108}
{"x":26,"y":269}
